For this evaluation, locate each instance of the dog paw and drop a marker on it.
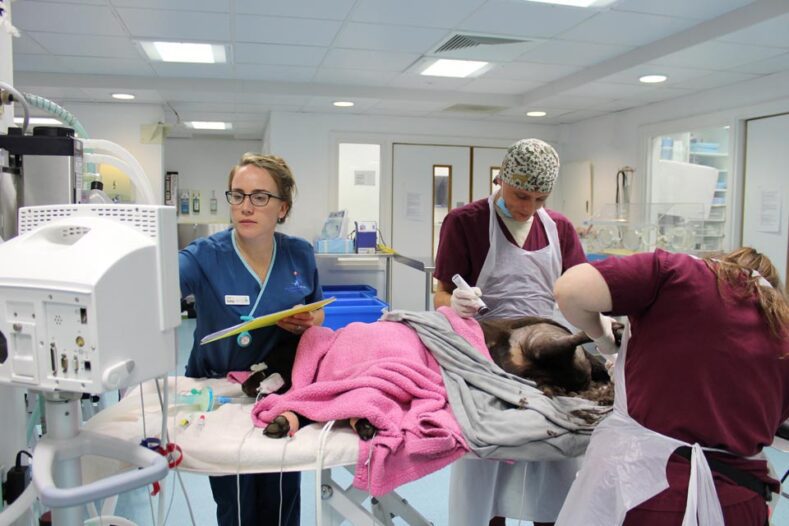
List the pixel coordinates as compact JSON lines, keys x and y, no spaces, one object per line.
{"x":279,"y":428}
{"x":364,"y":429}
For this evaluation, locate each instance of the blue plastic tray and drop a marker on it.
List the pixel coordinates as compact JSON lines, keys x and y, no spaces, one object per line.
{"x":345,"y":311}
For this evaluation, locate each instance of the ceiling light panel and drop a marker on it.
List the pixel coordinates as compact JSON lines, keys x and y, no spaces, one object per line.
{"x":454,"y":68}
{"x":185,"y":52}
{"x":210,"y":125}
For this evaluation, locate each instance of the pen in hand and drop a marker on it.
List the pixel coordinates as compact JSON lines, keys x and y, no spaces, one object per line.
{"x":460,"y":283}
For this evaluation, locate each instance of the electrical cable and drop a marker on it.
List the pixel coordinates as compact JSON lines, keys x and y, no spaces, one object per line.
{"x":238,"y":473}
{"x":281,"y":475}
{"x":319,"y":464}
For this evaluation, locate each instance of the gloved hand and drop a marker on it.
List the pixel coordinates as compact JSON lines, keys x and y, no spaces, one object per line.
{"x":606,"y":343}
{"x":610,"y":363}
{"x":466,"y":301}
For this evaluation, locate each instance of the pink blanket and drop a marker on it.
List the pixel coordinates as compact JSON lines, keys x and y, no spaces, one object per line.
{"x":382,"y":372}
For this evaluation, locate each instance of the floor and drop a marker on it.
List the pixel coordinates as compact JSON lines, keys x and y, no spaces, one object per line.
{"x":428,"y":495}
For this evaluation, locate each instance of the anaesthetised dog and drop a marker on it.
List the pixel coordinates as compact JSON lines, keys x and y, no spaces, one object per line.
{"x":534,"y":348}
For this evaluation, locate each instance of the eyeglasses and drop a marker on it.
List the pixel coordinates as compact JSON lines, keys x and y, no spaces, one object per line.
{"x":259,"y":198}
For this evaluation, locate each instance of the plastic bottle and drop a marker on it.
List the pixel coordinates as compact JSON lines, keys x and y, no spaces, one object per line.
{"x":183,"y":204}
{"x":196,"y":202}
{"x":212,"y":204}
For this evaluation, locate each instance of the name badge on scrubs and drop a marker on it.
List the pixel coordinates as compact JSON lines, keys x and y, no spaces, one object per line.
{"x":236,"y":300}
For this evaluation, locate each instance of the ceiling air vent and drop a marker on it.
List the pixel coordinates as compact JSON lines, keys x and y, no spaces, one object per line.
{"x":491,"y":48}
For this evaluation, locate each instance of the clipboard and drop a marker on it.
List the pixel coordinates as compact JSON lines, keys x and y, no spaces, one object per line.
{"x":264,"y":321}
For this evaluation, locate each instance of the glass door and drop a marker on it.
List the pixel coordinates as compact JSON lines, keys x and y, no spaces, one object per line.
{"x":694,"y":168}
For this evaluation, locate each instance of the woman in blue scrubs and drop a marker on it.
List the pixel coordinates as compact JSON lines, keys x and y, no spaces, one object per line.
{"x":244,"y":272}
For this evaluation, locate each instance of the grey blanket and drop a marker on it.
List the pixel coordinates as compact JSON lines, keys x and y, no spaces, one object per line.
{"x":502,"y":415}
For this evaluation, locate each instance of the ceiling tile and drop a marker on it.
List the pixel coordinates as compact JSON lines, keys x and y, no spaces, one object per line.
{"x":701,"y":9}
{"x":216,"y":6}
{"x":141,"y":95}
{"x":533,"y":71}
{"x":413,"y":80}
{"x":527,"y":19}
{"x":573,"y":53}
{"x":657,"y":94}
{"x":580,"y":115}
{"x":675,"y":75}
{"x":372,"y":60}
{"x":42,"y":63}
{"x":408,"y":105}
{"x":246,"y":53}
{"x":388,"y":38}
{"x":510,"y":87}
{"x":772,"y":33}
{"x":174,"y":25}
{"x":277,"y":30}
{"x":106,"y":66}
{"x":212,"y":71}
{"x":325,"y":104}
{"x":607,"y":90}
{"x":271,"y":72}
{"x":626,"y":29}
{"x":179,"y":96}
{"x":88,"y":45}
{"x":82,"y":19}
{"x":573,"y":102}
{"x":714,"y":79}
{"x":26,"y":45}
{"x":333,"y":10}
{"x":718,"y":55}
{"x":766,"y":67}
{"x":354,"y":76}
{"x":522,"y":110}
{"x":205,"y":106}
{"x":433,"y":13}
{"x":615,"y":105}
{"x":249,"y":100}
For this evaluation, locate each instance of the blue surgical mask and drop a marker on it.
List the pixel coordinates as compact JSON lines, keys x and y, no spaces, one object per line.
{"x":503,"y":207}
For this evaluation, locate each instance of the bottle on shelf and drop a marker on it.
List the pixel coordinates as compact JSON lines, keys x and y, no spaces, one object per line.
{"x":196,"y":202}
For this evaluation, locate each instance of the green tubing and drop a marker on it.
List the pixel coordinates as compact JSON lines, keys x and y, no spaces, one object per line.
{"x":58,"y":111}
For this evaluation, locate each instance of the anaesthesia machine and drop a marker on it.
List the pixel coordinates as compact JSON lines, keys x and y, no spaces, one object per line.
{"x":88,"y":303}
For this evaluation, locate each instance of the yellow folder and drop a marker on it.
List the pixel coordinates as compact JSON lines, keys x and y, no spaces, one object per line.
{"x":264,"y":321}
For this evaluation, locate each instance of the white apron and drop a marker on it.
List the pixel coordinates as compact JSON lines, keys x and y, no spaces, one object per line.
{"x":625,"y":465}
{"x":514,"y":282}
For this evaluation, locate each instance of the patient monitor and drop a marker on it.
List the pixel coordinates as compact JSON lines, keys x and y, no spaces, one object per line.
{"x":89,"y":297}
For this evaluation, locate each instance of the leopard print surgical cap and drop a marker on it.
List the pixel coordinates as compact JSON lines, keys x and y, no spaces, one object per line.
{"x":531,"y":165}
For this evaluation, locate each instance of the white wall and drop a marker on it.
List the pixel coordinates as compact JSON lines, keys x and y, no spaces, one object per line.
{"x":308,"y":142}
{"x":204,"y":165}
{"x":120,"y":123}
{"x":615,"y":140}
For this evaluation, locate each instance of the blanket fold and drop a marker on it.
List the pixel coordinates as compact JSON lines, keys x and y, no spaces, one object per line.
{"x":502,"y":415}
{"x":382,"y":372}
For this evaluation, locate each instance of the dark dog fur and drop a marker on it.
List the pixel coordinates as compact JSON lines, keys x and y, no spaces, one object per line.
{"x":534,"y":348}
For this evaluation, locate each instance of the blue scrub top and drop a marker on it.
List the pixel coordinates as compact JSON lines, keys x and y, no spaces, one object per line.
{"x":226,"y":288}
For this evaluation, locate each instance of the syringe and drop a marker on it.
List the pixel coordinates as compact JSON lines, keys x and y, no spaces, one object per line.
{"x":460,"y":283}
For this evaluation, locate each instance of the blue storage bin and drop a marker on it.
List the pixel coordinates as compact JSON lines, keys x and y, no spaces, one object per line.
{"x":367,"y":289}
{"x":344,"y":311}
{"x":347,"y":294}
